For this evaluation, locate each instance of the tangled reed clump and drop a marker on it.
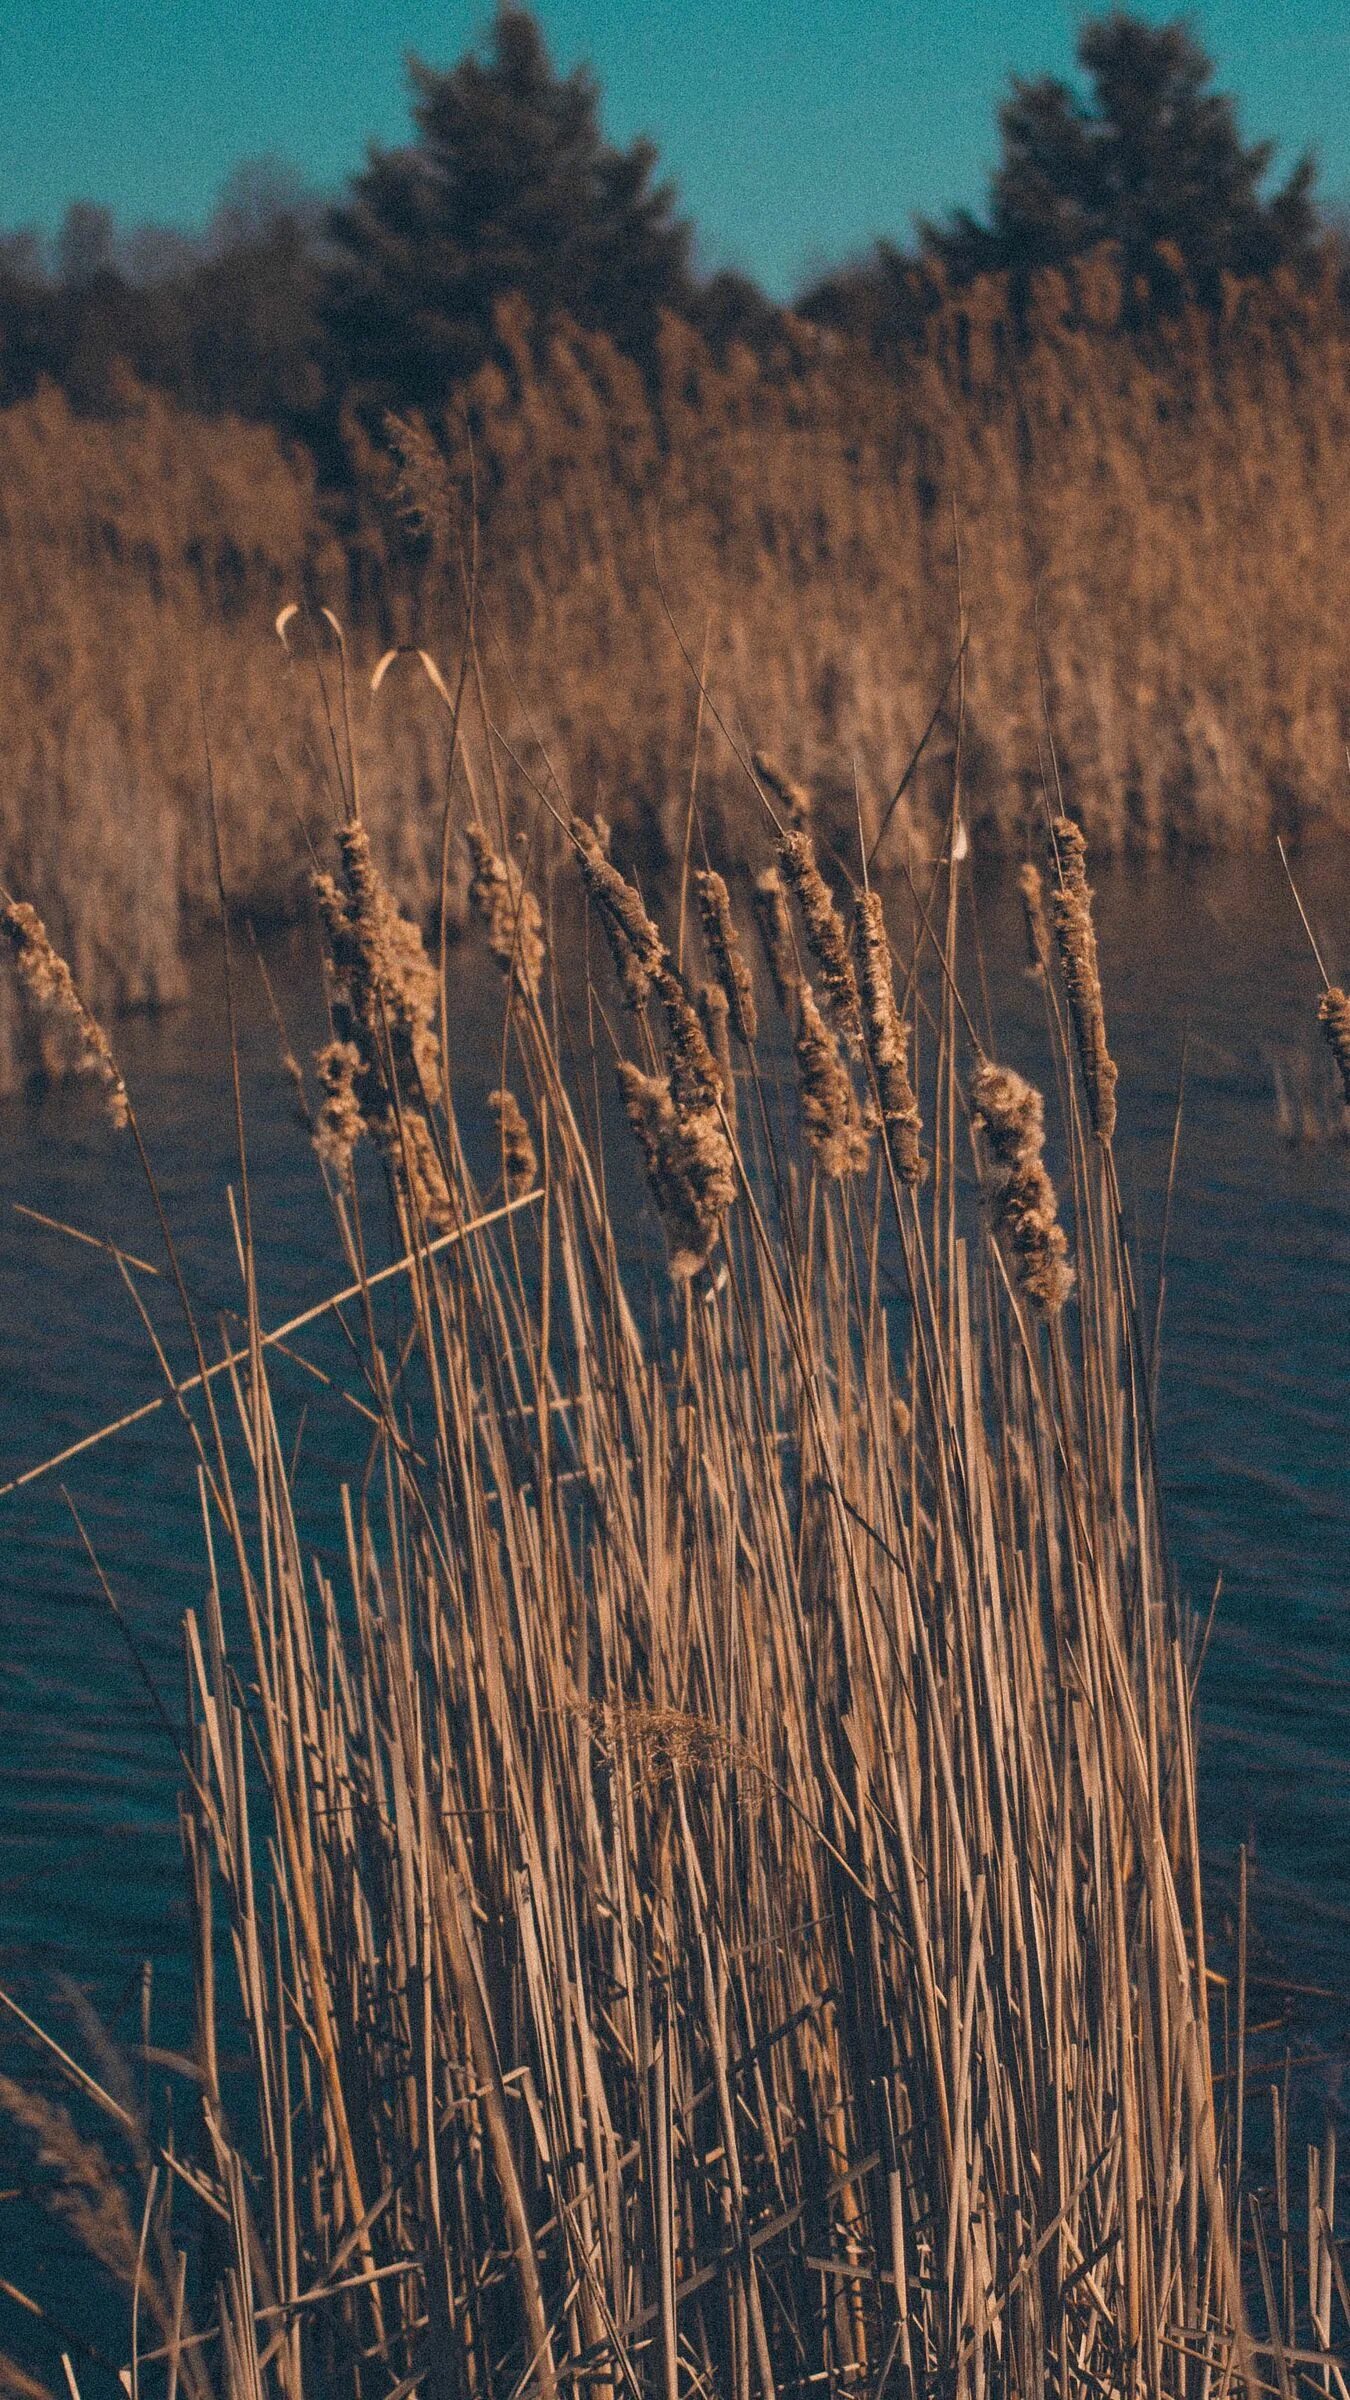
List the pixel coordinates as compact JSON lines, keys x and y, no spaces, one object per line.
{"x":381,"y":1073}
{"x":50,"y":987}
{"x":825,"y":935}
{"x":887,"y":1037}
{"x":1026,"y":1211}
{"x":1076,"y":937}
{"x":500,"y":897}
{"x":1333,"y":1015}
{"x":725,"y":954}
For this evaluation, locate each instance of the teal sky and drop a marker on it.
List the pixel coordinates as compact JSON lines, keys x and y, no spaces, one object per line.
{"x":795,"y":129}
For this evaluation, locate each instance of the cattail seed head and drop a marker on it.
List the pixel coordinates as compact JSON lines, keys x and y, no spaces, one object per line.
{"x":520,"y":1166}
{"x":1077,"y":942}
{"x":1333,"y":1015}
{"x":508,"y":910}
{"x":50,"y":986}
{"x":887,"y":1037}
{"x":715,"y":1017}
{"x":725,"y":955}
{"x":1026,"y":1212}
{"x":637,"y":948}
{"x":689,"y":1166}
{"x":825,"y":934}
{"x":831,"y":1119}
{"x":339,"y":1124}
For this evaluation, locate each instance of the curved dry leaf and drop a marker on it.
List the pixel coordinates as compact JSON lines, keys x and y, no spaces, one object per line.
{"x":284,"y":616}
{"x":382,"y":669}
{"x":436,"y":679}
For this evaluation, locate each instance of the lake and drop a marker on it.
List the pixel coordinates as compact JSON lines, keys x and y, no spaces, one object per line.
{"x":1254,"y":1447}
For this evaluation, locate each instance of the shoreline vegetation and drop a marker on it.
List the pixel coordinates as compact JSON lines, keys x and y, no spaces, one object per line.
{"x":1148,"y":539}
{"x":709,"y":1898}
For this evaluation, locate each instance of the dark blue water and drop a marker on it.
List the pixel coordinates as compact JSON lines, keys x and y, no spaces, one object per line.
{"x":1256,"y":1348}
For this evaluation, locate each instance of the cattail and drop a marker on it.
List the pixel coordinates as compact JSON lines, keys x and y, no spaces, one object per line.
{"x":383,"y":1067}
{"x":420,"y":1171}
{"x":694,"y":1073}
{"x":1333,"y":1016}
{"x":339,"y":1124}
{"x":509,"y":911}
{"x":831,"y":1119}
{"x":1034,"y":920}
{"x":51,"y":987}
{"x":825,"y":935}
{"x":792,"y":798}
{"x":887,"y":1037}
{"x":715,"y":1016}
{"x":520,"y":1166}
{"x":638,"y":951}
{"x":1026,"y":1211}
{"x":1077,"y":942}
{"x":775,"y":932}
{"x":725,"y":955}
{"x":689,"y":1166}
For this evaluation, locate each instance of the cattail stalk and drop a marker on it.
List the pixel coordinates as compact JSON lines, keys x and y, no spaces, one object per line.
{"x":887,"y":1038}
{"x":725,"y":955}
{"x":774,"y":920}
{"x":509,"y":911}
{"x":520,"y":1166}
{"x":825,"y":935}
{"x":1077,"y":942}
{"x":1026,"y":1212}
{"x":1035,"y":922}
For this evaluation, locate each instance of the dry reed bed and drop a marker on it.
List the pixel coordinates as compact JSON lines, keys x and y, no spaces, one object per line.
{"x":711,"y":1893}
{"x":1172,"y":515}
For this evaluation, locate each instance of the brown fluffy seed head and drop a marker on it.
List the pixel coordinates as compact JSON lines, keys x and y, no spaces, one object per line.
{"x":1333,"y":1015}
{"x":1034,"y":919}
{"x":825,"y":935}
{"x":774,"y":920}
{"x":1026,"y":1212}
{"x":510,"y":913}
{"x":725,"y":955}
{"x":636,"y":946}
{"x":50,"y":986}
{"x":339,"y":1124}
{"x":1076,"y":939}
{"x":793,"y":798}
{"x":520,"y":1166}
{"x":715,"y":1017}
{"x":831,"y":1119}
{"x":689,"y":1166}
{"x":887,"y":1038}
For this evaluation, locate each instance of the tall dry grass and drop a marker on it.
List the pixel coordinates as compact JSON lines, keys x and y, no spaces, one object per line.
{"x":1148,"y":537}
{"x":708,"y":1899}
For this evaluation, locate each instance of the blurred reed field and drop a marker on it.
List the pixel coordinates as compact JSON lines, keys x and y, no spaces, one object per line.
{"x":705,"y":1895}
{"x":1147,"y":532}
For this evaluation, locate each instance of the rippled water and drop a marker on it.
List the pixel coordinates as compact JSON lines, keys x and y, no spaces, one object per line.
{"x":1257,"y":1346}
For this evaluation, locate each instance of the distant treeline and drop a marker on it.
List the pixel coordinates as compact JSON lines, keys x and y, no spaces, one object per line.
{"x":1125,"y":477}
{"x":302,"y":313}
